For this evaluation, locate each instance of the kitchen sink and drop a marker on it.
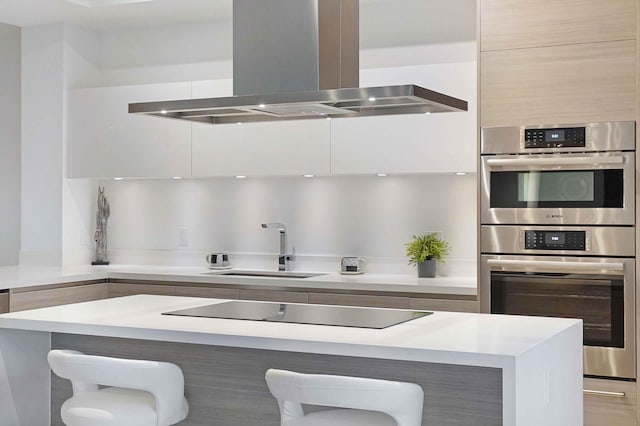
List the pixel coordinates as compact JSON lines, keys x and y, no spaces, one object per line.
{"x":272,"y":274}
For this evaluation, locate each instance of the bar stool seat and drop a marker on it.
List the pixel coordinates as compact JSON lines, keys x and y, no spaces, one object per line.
{"x":355,"y":401}
{"x":140,"y":393}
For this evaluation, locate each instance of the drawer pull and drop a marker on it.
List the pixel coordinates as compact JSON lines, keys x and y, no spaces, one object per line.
{"x":604,"y":393}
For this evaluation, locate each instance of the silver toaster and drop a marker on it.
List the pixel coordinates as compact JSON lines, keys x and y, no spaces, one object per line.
{"x":352,"y":265}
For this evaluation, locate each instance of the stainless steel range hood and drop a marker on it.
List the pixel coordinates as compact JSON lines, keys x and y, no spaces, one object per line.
{"x":299,"y":59}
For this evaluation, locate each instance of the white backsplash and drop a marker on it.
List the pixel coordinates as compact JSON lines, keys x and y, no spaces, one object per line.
{"x":326,"y":218}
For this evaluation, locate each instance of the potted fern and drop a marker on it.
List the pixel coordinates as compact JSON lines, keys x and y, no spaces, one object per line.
{"x":424,"y":251}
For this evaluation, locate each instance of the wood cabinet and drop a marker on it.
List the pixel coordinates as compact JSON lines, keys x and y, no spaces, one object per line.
{"x":609,"y":402}
{"x":359,"y":300}
{"x":107,"y":141}
{"x":210,"y":292}
{"x":4,"y":303}
{"x":24,"y":299}
{"x":275,"y":296}
{"x":561,"y":84}
{"x":129,"y":289}
{"x":516,"y":24}
{"x":449,"y":305}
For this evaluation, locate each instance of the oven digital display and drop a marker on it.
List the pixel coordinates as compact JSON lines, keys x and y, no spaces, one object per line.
{"x":553,"y":238}
{"x":554,"y":135}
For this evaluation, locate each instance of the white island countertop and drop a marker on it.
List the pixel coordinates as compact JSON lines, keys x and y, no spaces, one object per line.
{"x":533,"y":353}
{"x":15,"y":277}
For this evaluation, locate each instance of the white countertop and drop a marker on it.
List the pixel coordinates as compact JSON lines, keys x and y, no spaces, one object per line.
{"x":13,"y":277}
{"x":445,"y":337}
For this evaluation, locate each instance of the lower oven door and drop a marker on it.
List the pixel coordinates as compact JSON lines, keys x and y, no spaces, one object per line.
{"x":600,"y":291}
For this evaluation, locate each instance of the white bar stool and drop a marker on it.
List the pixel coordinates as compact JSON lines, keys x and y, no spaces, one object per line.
{"x":141,"y":393}
{"x":366,"y":402}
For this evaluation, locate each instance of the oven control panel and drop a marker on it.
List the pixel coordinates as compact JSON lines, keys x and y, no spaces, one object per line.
{"x":555,"y":240}
{"x":571,"y":137}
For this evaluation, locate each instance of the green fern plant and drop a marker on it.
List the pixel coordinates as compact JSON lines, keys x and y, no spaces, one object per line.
{"x":426,"y":247}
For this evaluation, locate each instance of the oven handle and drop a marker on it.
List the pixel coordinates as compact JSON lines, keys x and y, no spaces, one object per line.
{"x":603,"y":393}
{"x":546,"y":265}
{"x":554,"y":161}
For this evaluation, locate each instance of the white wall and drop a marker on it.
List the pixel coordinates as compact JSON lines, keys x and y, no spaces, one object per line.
{"x":42,"y":142}
{"x":78,"y":203}
{"x":325,"y":217}
{"x":9,"y":144}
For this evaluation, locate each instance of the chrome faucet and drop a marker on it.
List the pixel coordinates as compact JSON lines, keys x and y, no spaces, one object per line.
{"x":283,"y":258}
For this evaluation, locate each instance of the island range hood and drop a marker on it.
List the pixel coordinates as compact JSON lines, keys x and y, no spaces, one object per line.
{"x":299,"y":59}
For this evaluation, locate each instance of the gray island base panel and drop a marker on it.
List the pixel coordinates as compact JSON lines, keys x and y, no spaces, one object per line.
{"x":225,"y":385}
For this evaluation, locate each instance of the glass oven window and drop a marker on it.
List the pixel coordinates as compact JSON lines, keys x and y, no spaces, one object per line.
{"x":559,"y":189}
{"x":596,"y":299}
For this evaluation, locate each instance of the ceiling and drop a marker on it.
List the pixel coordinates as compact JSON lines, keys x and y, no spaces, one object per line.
{"x":384,"y":23}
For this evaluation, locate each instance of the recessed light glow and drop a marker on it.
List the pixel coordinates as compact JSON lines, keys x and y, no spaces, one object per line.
{"x":461,"y":174}
{"x":261,"y":105}
{"x":239,"y":123}
{"x":372,"y":99}
{"x":328,"y":118}
{"x":118,"y":178}
{"x":241,"y":177}
{"x":428,"y":113}
{"x":176,"y":177}
{"x":308,"y":176}
{"x":381,"y":174}
{"x":164,"y":111}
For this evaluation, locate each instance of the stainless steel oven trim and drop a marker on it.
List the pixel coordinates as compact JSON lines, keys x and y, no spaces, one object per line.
{"x":600,"y":241}
{"x":598,"y":361}
{"x":609,"y":136}
{"x":559,"y":216}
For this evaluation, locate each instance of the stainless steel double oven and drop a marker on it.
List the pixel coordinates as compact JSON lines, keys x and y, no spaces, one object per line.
{"x":558,"y":232}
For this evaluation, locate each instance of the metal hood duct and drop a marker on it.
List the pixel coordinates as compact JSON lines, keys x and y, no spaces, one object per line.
{"x":299,"y":59}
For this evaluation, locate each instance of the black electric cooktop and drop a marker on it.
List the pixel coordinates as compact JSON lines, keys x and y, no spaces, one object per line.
{"x":341,"y":316}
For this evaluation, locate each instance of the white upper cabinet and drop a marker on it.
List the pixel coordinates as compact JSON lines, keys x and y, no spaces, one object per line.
{"x":107,"y":141}
{"x":415,"y":143}
{"x":282,"y":148}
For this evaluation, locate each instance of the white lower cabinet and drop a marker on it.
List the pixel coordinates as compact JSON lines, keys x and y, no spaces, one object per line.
{"x":261,"y":149}
{"x":107,"y":141}
{"x":609,"y":403}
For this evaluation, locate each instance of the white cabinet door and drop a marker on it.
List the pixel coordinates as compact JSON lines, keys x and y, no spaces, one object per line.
{"x":416,"y":143}
{"x":284,"y":148}
{"x":261,"y":149}
{"x":107,"y":141}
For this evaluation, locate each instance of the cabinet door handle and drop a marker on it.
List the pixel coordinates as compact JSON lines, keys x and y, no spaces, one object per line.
{"x":604,"y":393}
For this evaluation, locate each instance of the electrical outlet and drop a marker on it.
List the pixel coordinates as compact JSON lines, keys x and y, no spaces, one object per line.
{"x":183,"y":237}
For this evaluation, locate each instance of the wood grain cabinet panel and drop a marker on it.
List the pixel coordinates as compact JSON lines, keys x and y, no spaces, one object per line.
{"x":4,"y":303}
{"x":214,"y":293}
{"x":609,"y":408}
{"x":445,"y":305}
{"x":563,"y":84}
{"x":512,"y":24}
{"x":58,"y":296}
{"x":274,"y":296}
{"x":125,"y":289}
{"x":359,"y":300}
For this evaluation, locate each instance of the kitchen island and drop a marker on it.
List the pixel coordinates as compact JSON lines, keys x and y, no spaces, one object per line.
{"x":475,"y":369}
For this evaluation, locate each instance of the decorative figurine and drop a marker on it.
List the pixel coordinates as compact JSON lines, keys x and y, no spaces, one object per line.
{"x":101,"y":229}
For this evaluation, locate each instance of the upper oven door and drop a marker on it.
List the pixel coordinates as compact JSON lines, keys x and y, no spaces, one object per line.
{"x":571,"y":188}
